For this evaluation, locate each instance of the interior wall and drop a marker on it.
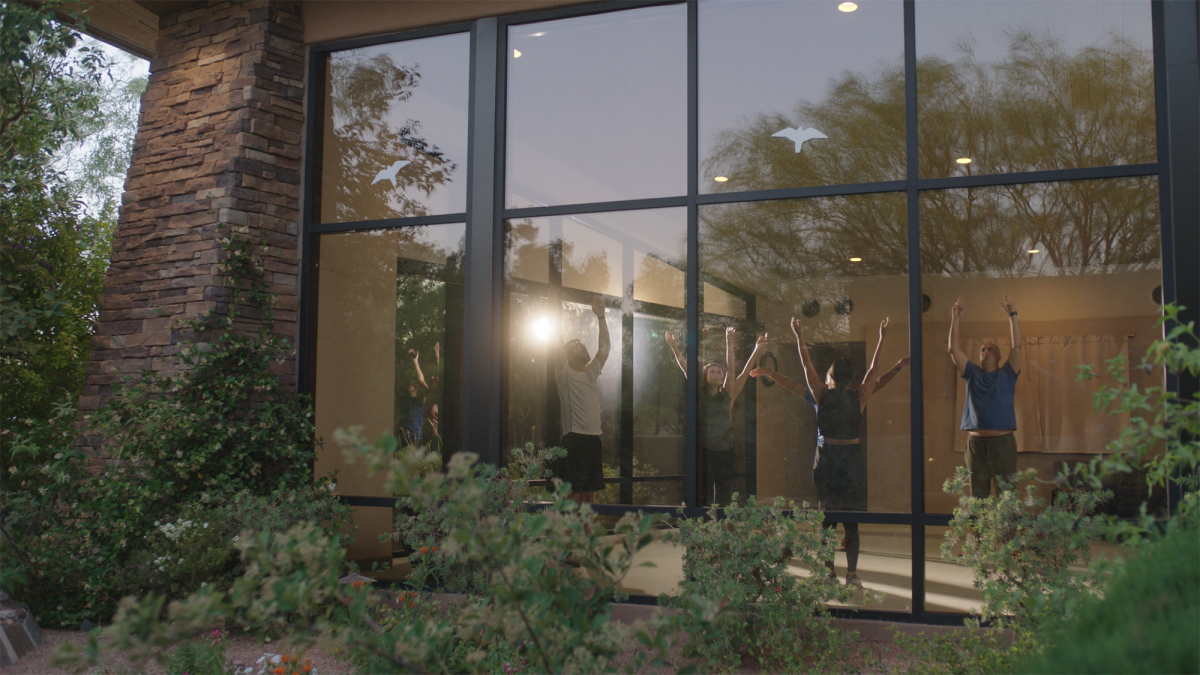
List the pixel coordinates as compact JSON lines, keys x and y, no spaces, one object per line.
{"x":355,"y":374}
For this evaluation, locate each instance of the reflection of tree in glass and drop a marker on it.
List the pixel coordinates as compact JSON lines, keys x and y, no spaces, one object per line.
{"x":1039,"y":109}
{"x":362,"y":142}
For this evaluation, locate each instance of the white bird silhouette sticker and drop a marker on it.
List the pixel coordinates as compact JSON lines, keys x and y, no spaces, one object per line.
{"x":390,"y":172}
{"x":799,"y":136}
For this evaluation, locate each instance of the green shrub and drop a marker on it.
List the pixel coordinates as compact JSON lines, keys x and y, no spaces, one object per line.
{"x":223,"y":431}
{"x":1022,"y":551}
{"x":1147,"y":622}
{"x":424,"y":529}
{"x":740,"y":560}
{"x":535,"y":613}
{"x":202,"y":655}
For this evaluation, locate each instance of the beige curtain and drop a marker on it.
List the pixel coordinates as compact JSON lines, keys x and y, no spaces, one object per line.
{"x":1056,"y":412}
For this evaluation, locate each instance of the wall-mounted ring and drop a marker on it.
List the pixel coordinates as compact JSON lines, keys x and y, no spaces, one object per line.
{"x":762,"y":363}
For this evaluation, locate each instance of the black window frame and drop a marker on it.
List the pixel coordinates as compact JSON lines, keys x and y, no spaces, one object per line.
{"x":1174,"y":31}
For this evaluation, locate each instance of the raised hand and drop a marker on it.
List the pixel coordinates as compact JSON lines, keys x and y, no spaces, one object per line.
{"x":761,"y":342}
{"x":597,"y":304}
{"x":1007,"y":304}
{"x":883,"y":326}
{"x":958,"y":308}
{"x":670,"y":338}
{"x":903,"y":363}
{"x":760,"y":372}
{"x":414,"y":354}
{"x":797,"y":328}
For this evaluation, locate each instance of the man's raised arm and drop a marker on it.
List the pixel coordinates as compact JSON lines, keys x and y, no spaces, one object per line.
{"x":605,"y":341}
{"x":957,"y":355}
{"x":1016,"y":356}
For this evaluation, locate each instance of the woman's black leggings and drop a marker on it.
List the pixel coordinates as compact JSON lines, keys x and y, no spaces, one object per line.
{"x":852,"y":543}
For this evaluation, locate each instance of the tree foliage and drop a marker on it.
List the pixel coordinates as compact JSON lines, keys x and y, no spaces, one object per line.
{"x":52,"y":255}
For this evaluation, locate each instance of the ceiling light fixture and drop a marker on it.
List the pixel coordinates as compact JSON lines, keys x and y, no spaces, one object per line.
{"x":538,"y":34}
{"x":1035,"y":250}
{"x":847,"y":7}
{"x":856,"y":260}
{"x":721,"y":179}
{"x":516,"y":53}
{"x":963,"y":160}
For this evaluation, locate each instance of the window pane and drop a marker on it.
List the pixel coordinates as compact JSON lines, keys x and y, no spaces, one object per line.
{"x":796,"y":94}
{"x":839,"y":265}
{"x":1029,"y":86}
{"x":635,"y":261}
{"x":597,"y":108}
{"x":389,"y":302}
{"x":1080,"y":262}
{"x":396,"y":130}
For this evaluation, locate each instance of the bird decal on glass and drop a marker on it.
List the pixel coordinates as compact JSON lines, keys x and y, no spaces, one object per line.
{"x":390,"y":172}
{"x":799,"y":136}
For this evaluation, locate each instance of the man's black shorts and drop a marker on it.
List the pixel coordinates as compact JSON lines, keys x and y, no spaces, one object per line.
{"x":582,"y":467}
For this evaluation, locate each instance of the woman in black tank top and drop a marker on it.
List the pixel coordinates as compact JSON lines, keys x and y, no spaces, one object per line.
{"x":840,"y":467}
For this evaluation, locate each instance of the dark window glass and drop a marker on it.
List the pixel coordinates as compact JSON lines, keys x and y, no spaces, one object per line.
{"x":796,"y":94}
{"x":1080,"y":262}
{"x":1013,"y":86}
{"x":635,"y":263}
{"x":839,"y":266}
{"x":389,"y":349}
{"x":597,"y":108}
{"x":396,"y":130}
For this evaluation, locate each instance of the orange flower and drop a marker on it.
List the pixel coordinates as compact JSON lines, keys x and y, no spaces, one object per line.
{"x":357,"y":584}
{"x":306,"y":668}
{"x":278,"y":671}
{"x":423,"y":550}
{"x":435,"y":549}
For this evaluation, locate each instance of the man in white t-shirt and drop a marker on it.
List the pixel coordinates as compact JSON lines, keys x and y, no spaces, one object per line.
{"x":576,"y":374}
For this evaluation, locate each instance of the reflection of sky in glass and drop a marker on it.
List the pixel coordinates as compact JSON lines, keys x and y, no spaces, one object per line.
{"x":943,"y":25}
{"x":597,"y":108}
{"x":439,"y":103}
{"x":765,"y":57}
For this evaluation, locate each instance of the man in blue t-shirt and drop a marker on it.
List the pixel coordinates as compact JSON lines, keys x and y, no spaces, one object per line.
{"x":988,"y":415}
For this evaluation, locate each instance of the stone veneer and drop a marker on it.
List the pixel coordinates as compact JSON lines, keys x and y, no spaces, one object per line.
{"x":218,"y":146}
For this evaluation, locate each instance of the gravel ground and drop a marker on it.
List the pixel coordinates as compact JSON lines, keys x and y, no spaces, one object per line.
{"x":241,"y":652}
{"x":244,"y":651}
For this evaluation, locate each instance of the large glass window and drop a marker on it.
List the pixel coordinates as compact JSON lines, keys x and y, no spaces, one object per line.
{"x":1080,"y":263}
{"x":838,"y":267}
{"x":597,"y":108}
{"x":1023,"y":85}
{"x":794,"y":94}
{"x":632,"y":263}
{"x":396,"y":130}
{"x":389,"y":350}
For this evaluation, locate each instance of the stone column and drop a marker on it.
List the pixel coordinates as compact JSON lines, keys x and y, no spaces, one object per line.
{"x":218,"y":146}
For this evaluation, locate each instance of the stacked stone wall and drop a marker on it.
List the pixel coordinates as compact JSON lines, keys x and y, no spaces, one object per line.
{"x":218,"y":147}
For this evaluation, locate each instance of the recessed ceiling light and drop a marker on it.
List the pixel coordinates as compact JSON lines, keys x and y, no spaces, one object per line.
{"x":856,"y":260}
{"x":516,"y":53}
{"x":539,"y":34}
{"x":963,"y":160}
{"x":1035,"y":250}
{"x":721,"y":179}
{"x":847,"y":7}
